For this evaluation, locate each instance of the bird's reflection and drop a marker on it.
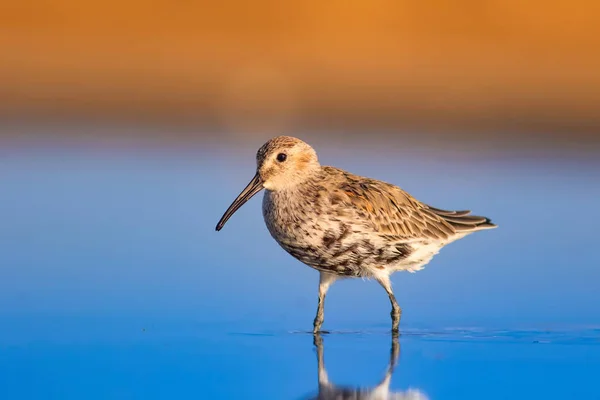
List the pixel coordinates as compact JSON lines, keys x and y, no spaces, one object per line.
{"x":330,"y":391}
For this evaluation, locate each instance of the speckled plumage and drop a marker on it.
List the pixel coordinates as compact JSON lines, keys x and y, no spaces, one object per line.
{"x":345,"y":225}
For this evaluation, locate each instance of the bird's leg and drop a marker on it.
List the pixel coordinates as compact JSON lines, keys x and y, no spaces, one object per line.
{"x":396,"y":313}
{"x":396,"y":310}
{"x":325,"y":280}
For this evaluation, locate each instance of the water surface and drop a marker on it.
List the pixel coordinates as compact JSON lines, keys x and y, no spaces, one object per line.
{"x":114,"y":283}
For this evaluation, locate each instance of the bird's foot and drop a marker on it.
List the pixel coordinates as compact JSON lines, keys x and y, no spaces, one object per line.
{"x":396,"y":315}
{"x":317,"y":324}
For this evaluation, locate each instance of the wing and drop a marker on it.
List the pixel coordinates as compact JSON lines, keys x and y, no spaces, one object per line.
{"x":391,"y":211}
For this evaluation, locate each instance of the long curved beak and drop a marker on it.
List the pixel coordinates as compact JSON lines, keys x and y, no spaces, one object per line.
{"x":255,"y":186}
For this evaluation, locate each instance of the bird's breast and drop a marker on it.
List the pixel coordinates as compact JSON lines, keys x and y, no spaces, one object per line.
{"x":320,"y":240}
{"x":292,"y":221}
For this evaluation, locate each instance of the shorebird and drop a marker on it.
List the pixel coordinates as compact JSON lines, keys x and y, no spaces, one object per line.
{"x":345,"y":225}
{"x":329,"y":391}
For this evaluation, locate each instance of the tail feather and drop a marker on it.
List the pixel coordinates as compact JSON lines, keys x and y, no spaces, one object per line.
{"x":463,"y":222}
{"x":441,"y":212}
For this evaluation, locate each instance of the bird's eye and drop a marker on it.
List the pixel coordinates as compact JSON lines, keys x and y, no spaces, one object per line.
{"x":281,"y":157}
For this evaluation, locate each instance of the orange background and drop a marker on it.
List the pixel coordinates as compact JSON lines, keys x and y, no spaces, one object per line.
{"x":269,"y":66}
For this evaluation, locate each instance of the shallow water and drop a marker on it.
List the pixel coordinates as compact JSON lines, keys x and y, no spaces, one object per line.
{"x":114,"y":283}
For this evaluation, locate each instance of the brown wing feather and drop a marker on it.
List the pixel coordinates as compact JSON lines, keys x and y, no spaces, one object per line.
{"x":439,"y":211}
{"x":392,"y":211}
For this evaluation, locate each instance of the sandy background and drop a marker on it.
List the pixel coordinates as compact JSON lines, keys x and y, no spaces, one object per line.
{"x":526,"y":73}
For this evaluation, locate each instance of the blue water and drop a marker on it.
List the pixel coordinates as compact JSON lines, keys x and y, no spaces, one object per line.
{"x":114,"y":284}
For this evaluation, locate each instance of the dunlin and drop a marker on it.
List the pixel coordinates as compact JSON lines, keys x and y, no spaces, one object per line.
{"x":344,"y":225}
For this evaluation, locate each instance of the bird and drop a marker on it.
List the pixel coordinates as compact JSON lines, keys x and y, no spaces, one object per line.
{"x":345,"y":225}
{"x":327,"y":390}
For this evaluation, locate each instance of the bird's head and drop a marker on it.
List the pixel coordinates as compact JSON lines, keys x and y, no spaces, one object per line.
{"x":284,"y":162}
{"x":281,"y":163}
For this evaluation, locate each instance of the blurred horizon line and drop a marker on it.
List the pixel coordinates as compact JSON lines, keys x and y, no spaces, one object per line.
{"x":166,"y":134}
